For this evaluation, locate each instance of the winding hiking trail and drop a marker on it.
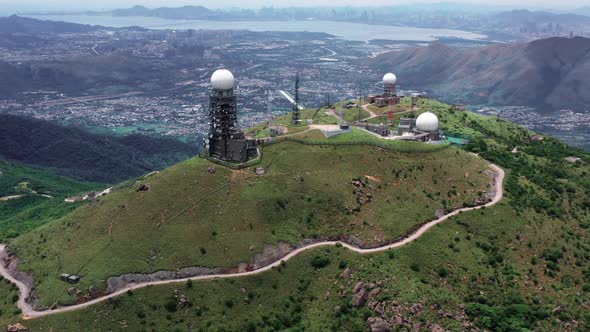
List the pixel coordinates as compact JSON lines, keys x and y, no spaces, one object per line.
{"x":29,"y":312}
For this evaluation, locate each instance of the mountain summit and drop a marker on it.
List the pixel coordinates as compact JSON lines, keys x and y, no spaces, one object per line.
{"x":548,"y":73}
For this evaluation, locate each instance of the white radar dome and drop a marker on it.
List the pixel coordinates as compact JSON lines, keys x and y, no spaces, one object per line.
{"x":427,"y":122}
{"x":222,"y":79}
{"x":389,"y":78}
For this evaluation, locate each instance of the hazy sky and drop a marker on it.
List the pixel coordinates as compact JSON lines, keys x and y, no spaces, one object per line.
{"x":28,"y":5}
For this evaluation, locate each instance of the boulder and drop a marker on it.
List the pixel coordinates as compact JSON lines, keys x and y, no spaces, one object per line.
{"x":359,"y":285}
{"x":416,"y":308}
{"x":375,"y":292}
{"x":143,"y":187}
{"x":557,"y":310}
{"x":359,"y":299}
{"x":346,"y":273}
{"x":436,"y":328}
{"x":92,"y":291}
{"x":378,"y":325}
{"x":73,"y":291}
{"x":18,"y":327}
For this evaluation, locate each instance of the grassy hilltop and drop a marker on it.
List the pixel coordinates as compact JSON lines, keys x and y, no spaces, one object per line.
{"x":191,"y":217}
{"x":522,"y":264}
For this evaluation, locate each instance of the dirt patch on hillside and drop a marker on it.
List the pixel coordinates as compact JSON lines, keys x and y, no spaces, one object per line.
{"x":9,"y":260}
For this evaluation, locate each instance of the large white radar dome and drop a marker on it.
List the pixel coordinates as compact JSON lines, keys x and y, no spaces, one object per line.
{"x":222,"y":79}
{"x":427,"y":122}
{"x":389,"y":78}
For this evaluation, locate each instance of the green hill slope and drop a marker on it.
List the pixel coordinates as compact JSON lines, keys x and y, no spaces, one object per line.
{"x":38,"y":197}
{"x":190,"y":217}
{"x":76,"y":153}
{"x":522,"y":264}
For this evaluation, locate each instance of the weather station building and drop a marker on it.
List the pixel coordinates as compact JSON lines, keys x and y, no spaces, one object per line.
{"x":425,"y":128}
{"x":389,"y":96}
{"x":226,"y":141}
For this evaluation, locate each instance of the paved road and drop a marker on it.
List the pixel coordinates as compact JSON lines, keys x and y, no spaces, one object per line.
{"x":29,"y":312}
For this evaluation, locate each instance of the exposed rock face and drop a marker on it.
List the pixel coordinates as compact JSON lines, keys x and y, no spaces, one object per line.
{"x":117,"y":283}
{"x":270,"y":254}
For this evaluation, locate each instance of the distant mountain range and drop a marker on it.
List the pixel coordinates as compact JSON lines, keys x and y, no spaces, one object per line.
{"x":186,"y":12}
{"x":549,"y":73}
{"x":81,"y":155}
{"x":18,"y":24}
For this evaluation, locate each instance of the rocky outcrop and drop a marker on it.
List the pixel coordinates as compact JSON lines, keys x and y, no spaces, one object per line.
{"x":18,"y":327}
{"x":377,"y":324}
{"x":360,"y":298}
{"x":116,"y":283}
{"x":346,"y":273}
{"x":271,"y":253}
{"x":10,"y":261}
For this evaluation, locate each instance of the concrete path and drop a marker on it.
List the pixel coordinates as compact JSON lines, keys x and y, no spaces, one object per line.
{"x":29,"y":312}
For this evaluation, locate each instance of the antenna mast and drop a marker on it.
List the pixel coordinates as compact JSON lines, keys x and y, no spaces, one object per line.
{"x":296,"y":112}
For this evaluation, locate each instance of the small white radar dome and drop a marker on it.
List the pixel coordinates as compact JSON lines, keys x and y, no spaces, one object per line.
{"x":427,"y":122}
{"x":222,"y":79}
{"x":389,"y":78}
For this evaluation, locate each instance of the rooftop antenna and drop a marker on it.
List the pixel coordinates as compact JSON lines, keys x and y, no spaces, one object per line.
{"x":296,"y":112}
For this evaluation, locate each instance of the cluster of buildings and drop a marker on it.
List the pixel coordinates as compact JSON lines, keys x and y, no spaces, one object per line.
{"x":389,"y":96}
{"x":226,"y":141}
{"x":425,"y":128}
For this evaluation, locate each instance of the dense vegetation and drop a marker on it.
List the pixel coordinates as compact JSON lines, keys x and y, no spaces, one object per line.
{"x":75,"y":153}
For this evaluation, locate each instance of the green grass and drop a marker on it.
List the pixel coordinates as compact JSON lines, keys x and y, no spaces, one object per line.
{"x":9,"y":313}
{"x":298,"y":296}
{"x":261,"y":130}
{"x":28,"y":212}
{"x":509,"y":265}
{"x":307,"y":192}
{"x":352,"y":114}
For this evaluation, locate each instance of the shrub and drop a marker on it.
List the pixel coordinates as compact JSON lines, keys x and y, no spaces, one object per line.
{"x":318,"y":262}
{"x":171,"y":305}
{"x":553,"y":255}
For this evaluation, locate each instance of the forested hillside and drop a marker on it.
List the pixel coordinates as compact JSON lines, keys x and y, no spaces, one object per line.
{"x":76,"y":153}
